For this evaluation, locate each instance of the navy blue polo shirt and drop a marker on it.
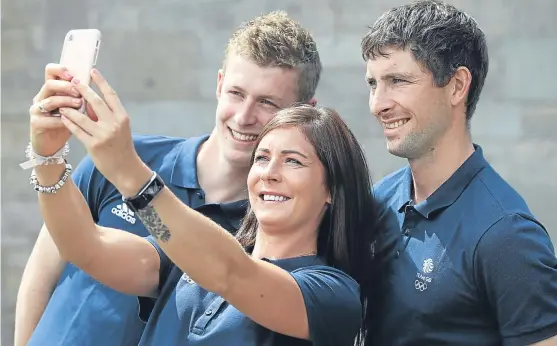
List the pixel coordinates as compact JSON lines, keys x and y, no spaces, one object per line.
{"x":472,"y":265}
{"x":187,"y":314}
{"x":83,"y":311}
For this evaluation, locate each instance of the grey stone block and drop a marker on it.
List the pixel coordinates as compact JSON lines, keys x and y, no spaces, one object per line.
{"x":144,"y":67}
{"x":8,"y":325}
{"x":497,"y":119}
{"x":304,"y":12}
{"x":532,"y":19}
{"x":341,"y":83}
{"x":121,"y":17}
{"x":341,"y":50}
{"x":208,"y":83}
{"x":354,"y":17}
{"x":60,"y":16}
{"x":540,"y":121}
{"x":526,"y":162}
{"x":15,"y":136}
{"x":15,"y":183}
{"x":494,"y":83}
{"x":21,"y":14}
{"x":172,"y":118}
{"x":344,"y":89}
{"x":530,"y":69}
{"x":536,"y":195}
{"x":17,"y":43}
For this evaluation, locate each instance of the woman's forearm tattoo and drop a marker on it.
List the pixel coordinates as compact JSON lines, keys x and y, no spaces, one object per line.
{"x":153,"y":223}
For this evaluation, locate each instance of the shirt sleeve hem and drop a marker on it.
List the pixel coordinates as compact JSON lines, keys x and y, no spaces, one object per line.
{"x":533,"y":337}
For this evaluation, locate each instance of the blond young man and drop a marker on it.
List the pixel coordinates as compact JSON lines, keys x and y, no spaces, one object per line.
{"x":59,"y":304}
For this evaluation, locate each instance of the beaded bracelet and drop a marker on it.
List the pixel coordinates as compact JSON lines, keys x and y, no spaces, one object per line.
{"x":54,"y":188}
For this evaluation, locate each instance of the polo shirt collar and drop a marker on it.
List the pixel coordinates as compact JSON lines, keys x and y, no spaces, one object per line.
{"x":235,"y":212}
{"x":404,"y":190}
{"x":184,"y":171}
{"x":293,"y":263}
{"x":449,"y":191}
{"x":184,"y":174}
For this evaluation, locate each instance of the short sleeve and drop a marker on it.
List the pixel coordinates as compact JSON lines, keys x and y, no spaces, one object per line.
{"x":146,"y":304}
{"x":165,"y":265}
{"x":516,"y":269}
{"x":333,"y":306}
{"x":89,"y":181}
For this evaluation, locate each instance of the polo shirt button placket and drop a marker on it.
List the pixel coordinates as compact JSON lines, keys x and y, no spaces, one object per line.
{"x":209,"y":312}
{"x":405,"y":233}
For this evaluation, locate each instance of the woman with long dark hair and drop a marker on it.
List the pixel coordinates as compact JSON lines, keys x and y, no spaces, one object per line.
{"x":292,"y":274}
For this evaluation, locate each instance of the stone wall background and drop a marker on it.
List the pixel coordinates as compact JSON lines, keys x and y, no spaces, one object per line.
{"x":163,"y":58}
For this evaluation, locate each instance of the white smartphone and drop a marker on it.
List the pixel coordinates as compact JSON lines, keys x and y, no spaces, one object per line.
{"x":79,"y":55}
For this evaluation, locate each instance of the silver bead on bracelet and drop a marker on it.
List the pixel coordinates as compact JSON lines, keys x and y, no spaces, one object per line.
{"x":54,"y":188}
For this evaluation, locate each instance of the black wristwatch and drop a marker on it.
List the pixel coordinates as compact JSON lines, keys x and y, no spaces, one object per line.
{"x":146,"y":194}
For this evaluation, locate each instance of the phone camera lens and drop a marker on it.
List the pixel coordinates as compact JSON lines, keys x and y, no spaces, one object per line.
{"x":70,"y":37}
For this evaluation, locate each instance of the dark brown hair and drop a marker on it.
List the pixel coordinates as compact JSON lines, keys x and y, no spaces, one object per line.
{"x":349,"y":227}
{"x":441,"y":37}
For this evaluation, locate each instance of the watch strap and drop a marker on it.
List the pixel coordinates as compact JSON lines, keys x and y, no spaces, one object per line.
{"x":147,"y":193}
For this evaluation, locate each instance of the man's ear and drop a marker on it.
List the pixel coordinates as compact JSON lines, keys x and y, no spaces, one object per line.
{"x":220,"y":78}
{"x":461,"y":81}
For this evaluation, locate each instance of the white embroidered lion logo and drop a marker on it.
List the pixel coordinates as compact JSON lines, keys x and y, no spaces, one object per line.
{"x":428,"y":266}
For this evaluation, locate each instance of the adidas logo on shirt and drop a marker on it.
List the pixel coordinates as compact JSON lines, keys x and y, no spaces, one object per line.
{"x":122,"y":211}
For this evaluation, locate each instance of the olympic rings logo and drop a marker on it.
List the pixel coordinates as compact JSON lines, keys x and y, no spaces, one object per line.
{"x":186,"y":278}
{"x":420,"y":285}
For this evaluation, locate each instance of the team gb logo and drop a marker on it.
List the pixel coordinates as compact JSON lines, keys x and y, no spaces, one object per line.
{"x":428,"y":266}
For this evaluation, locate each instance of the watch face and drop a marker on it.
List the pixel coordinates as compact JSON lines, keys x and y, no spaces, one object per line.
{"x":146,"y":195}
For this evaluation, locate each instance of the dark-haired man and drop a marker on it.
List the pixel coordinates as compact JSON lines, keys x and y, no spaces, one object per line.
{"x":472,"y":265}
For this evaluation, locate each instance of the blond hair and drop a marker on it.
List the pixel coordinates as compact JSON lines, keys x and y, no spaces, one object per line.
{"x":275,"y":40}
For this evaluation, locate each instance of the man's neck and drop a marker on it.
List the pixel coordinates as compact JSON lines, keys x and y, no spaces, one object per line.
{"x":431,"y":170}
{"x":220,"y":181}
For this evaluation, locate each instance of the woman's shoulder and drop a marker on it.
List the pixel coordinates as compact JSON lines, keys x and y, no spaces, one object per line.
{"x":314,"y":268}
{"x":333,"y":305}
